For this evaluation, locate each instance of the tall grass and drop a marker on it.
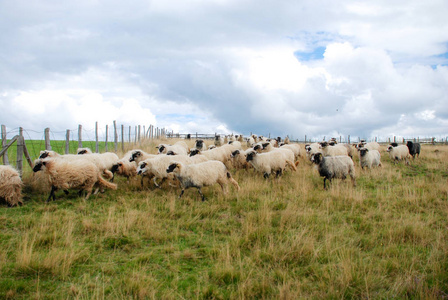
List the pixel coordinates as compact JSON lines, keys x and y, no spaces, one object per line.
{"x":287,"y":238}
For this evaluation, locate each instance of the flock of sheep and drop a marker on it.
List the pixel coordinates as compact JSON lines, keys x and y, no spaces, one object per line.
{"x":197,"y":167}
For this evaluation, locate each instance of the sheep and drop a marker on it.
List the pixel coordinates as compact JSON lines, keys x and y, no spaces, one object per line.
{"x":414,"y":148}
{"x":178,"y":148}
{"x":347,"y":146}
{"x":286,"y":141}
{"x":397,"y":153}
{"x":65,"y":174}
{"x":336,"y":150}
{"x":263,"y":147}
{"x":140,"y":155}
{"x":103,"y":161}
{"x":200,"y":175}
{"x":221,"y":154}
{"x":370,"y":145}
{"x":124,"y":167}
{"x":268,"y":162}
{"x":331,"y":167}
{"x":157,"y":166}
{"x":240,"y":138}
{"x":10,"y":186}
{"x":219,"y":141}
{"x":251,"y":141}
{"x":200,"y":145}
{"x":295,"y":148}
{"x":369,"y":158}
{"x":236,"y":144}
{"x":239,"y":159}
{"x":312,"y":149}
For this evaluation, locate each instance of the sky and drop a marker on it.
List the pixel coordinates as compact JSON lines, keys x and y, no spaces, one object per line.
{"x":318,"y":68}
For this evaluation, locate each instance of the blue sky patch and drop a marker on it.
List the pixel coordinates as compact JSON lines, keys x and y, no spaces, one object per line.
{"x":318,"y":53}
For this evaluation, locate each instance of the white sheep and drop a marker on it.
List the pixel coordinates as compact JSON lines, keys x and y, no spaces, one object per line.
{"x":268,"y":162}
{"x":178,"y":148}
{"x":336,"y":150}
{"x":236,"y":144}
{"x":66,"y":174}
{"x":397,"y":153}
{"x":221,"y":154}
{"x":370,"y":145}
{"x":295,"y":148}
{"x":312,"y":149}
{"x":124,"y":167}
{"x":103,"y":161}
{"x":202,"y":174}
{"x":331,"y":167}
{"x":251,"y":141}
{"x":156,"y":167}
{"x":138,"y":155}
{"x":219,"y":141}
{"x":239,"y":159}
{"x":263,"y":147}
{"x":10,"y":185}
{"x":369,"y":158}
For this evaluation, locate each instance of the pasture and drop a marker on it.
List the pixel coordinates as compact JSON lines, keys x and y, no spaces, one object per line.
{"x":282,"y":238}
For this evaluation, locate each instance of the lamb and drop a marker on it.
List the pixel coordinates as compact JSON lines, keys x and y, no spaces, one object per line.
{"x":414,"y":148}
{"x":369,"y":158}
{"x":10,"y":186}
{"x":397,"y":153}
{"x":65,"y":174}
{"x":268,"y":162}
{"x":200,"y":175}
{"x":336,"y":150}
{"x":331,"y":167}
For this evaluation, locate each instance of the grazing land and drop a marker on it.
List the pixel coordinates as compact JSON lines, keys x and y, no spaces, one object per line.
{"x":279,"y":238}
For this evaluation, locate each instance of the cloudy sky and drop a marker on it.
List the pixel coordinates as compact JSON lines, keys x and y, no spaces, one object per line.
{"x":309,"y":67}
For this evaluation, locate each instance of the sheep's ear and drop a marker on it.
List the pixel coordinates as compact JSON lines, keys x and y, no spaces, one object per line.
{"x":265,"y":145}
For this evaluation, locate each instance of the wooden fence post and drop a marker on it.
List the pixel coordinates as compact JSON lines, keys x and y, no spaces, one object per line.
{"x":5,"y":155}
{"x":20,"y":152}
{"x":107,"y":136}
{"x":135,"y":133}
{"x":79,"y":136}
{"x":97,"y":145}
{"x":115,"y":136}
{"x":138,"y":135}
{"x":47,"y":139}
{"x":129,"y":135}
{"x":67,"y":141}
{"x":122,"y":137}
{"x":144,"y":132}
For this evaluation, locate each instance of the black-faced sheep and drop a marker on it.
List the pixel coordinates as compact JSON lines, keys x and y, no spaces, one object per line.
{"x":63,"y":174}
{"x":414,"y":148}
{"x":369,"y":158}
{"x":200,"y":145}
{"x":124,"y":167}
{"x":179,"y":148}
{"x":268,"y":162}
{"x":202,"y":174}
{"x":397,"y":153}
{"x":140,"y":155}
{"x":264,"y":147}
{"x":331,"y":167}
{"x":312,"y":149}
{"x":10,"y":186}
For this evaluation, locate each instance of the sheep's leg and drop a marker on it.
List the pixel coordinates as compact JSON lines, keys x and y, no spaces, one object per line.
{"x":223,"y":187}
{"x":278,"y":173}
{"x":89,"y":192}
{"x":200,"y":193}
{"x":53,"y":189}
{"x":325,"y":186}
{"x":142,"y":182}
{"x":66,"y":192}
{"x":181,"y":193}
{"x":266,"y":175}
{"x":155,"y":182}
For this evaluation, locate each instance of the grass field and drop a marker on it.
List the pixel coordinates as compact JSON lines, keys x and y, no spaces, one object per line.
{"x":385,"y":238}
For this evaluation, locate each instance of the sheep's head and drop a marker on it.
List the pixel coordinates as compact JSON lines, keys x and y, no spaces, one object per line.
{"x":389,"y":148}
{"x":141,"y":168}
{"x":308,"y":147}
{"x":161,"y":148}
{"x":317,"y":158}
{"x":82,"y":152}
{"x":235,"y":153}
{"x":38,"y":165}
{"x":194,"y":152}
{"x":250,"y":156}
{"x":116,"y":166}
{"x":258,"y":148}
{"x":171,"y":152}
{"x":363,"y":151}
{"x":44,"y":154}
{"x":323,"y":144}
{"x":265,"y":145}
{"x":199,"y":144}
{"x":172,"y":167}
{"x":135,"y":154}
{"x":409,"y":144}
{"x":394,"y":144}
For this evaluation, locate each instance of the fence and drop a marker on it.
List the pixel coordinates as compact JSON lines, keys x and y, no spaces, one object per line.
{"x":136,"y":134}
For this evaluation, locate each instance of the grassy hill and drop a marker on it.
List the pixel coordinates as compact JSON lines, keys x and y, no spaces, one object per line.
{"x":289,"y":238}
